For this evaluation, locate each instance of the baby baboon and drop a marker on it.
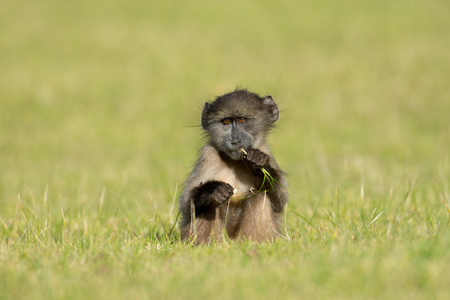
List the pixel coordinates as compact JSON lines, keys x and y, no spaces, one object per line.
{"x":229,"y":190}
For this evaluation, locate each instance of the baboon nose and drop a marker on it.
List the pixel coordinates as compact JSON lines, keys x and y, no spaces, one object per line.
{"x":236,"y":143}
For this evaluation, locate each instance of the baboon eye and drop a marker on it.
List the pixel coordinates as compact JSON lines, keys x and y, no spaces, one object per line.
{"x":242,"y":120}
{"x":226,"y":121}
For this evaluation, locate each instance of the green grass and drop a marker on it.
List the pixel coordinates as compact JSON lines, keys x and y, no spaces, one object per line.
{"x":99,"y":103}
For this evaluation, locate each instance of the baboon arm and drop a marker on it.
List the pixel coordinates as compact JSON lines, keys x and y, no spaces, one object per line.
{"x":201,"y":174}
{"x":262,"y":162}
{"x":277,"y":191}
{"x":210,"y":195}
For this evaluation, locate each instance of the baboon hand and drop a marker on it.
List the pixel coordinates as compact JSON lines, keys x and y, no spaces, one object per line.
{"x":213,"y":193}
{"x":256,"y":158}
{"x":222,"y":193}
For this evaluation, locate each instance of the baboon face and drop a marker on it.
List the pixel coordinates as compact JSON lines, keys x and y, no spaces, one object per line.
{"x":232,"y":134}
{"x":238,"y":120}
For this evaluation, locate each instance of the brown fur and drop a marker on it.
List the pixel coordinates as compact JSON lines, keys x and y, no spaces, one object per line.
{"x":244,"y":215}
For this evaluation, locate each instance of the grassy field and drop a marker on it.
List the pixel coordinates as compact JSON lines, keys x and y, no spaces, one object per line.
{"x":100,"y":104}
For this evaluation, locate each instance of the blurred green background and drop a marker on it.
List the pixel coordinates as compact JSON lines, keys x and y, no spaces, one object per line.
{"x":105,"y":93}
{"x":100,"y":104}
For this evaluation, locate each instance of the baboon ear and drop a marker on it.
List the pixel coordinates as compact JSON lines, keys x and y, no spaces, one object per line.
{"x":205,"y":113}
{"x":272,"y":108}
